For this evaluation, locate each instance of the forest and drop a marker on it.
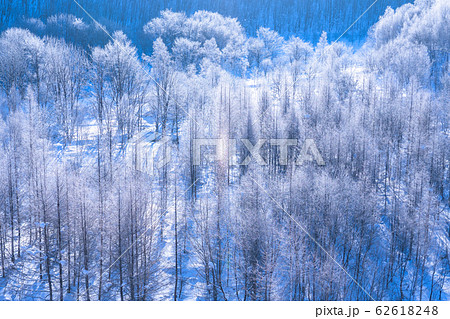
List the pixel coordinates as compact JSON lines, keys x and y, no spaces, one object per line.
{"x":120,"y":180}
{"x":303,"y":18}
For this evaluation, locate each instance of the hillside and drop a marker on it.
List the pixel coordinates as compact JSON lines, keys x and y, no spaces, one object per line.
{"x":218,"y":163}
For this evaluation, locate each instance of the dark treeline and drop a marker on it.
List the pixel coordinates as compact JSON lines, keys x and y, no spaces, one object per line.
{"x":304,"y":18}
